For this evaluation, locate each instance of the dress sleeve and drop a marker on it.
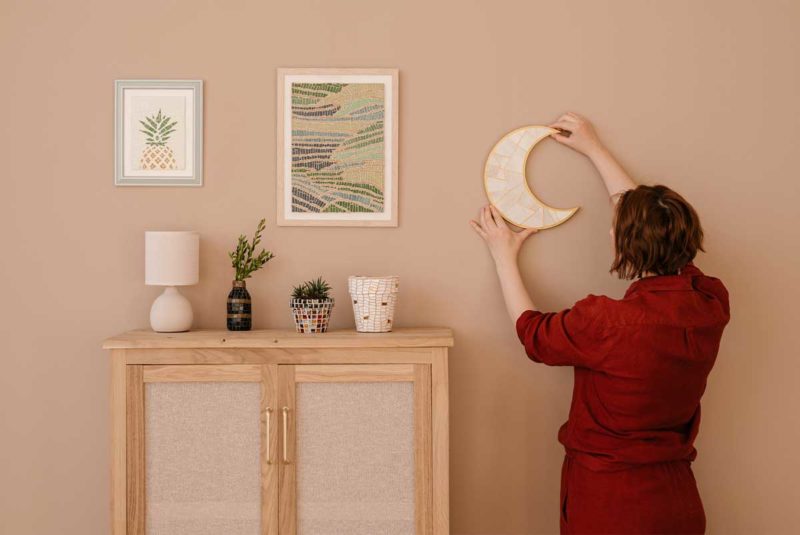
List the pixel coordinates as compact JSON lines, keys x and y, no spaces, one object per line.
{"x":576,"y":336}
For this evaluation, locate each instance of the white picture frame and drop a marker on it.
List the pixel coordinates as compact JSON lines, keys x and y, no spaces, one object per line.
{"x":374,"y":196}
{"x":158,"y":132}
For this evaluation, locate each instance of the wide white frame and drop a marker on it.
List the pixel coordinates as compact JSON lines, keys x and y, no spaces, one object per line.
{"x":387,"y":77}
{"x":193,"y":174}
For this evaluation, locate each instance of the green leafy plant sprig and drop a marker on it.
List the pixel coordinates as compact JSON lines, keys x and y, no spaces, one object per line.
{"x":243,"y":259}
{"x":313,"y":289}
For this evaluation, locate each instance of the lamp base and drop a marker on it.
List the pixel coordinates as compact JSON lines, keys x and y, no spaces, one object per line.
{"x":171,"y":312}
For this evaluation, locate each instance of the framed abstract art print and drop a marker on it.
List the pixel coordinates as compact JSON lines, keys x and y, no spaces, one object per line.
{"x":158,"y":133}
{"x":337,"y":147}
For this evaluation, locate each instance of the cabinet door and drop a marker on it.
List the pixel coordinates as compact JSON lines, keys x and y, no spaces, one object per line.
{"x":355,"y":449}
{"x":201,"y":450}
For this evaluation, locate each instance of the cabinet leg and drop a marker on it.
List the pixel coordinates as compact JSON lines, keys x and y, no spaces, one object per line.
{"x":441,"y":442}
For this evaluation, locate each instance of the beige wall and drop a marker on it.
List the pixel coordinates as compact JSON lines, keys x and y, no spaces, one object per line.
{"x":701,"y":96}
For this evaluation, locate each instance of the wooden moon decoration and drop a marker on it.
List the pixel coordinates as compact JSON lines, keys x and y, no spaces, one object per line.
{"x":506,"y":184}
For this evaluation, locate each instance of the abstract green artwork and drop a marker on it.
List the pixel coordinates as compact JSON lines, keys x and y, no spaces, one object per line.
{"x":337,"y":161}
{"x":337,"y":147}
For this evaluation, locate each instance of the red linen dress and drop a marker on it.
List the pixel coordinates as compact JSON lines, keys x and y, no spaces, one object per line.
{"x":641,"y":364}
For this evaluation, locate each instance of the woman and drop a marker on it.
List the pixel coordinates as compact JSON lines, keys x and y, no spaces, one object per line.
{"x":641,"y":362}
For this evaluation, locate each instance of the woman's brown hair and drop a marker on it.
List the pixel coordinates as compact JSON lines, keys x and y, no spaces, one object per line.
{"x":655,"y":231}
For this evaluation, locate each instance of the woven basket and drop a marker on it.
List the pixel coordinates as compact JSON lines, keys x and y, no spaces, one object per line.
{"x":311,"y":315}
{"x":374,"y":299}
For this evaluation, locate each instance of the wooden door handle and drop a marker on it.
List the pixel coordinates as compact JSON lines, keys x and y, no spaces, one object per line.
{"x":285,"y":435}
{"x":269,"y":434}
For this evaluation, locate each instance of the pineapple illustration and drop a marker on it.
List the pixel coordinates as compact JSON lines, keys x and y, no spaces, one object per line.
{"x":156,"y":154}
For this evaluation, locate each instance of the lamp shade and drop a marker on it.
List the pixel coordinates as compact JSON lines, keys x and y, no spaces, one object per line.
{"x":171,"y":258}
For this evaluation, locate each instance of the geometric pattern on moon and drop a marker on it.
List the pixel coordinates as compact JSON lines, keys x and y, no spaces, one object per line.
{"x":506,"y":184}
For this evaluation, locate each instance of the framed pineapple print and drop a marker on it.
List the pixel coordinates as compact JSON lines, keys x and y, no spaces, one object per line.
{"x":337,"y":147}
{"x":158,"y":133}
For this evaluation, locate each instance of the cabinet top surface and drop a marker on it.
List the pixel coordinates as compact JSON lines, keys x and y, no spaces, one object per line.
{"x":401,"y":337}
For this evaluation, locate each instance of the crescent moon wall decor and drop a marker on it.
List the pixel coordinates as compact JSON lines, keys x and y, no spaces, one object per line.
{"x":506,"y":184}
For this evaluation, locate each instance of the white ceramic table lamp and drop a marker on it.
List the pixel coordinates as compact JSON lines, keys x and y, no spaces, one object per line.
{"x":171,"y":259}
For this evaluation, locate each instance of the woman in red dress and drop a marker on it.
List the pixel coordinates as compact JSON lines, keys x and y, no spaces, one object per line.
{"x":641,"y":362}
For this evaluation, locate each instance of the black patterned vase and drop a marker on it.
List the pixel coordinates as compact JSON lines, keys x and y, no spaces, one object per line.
{"x":240,"y":313}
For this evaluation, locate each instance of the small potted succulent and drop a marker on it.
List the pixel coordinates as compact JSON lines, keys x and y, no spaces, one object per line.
{"x":311,"y":306}
{"x":245,"y":261}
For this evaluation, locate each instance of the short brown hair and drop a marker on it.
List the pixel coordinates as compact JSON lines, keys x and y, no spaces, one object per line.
{"x":655,"y":231}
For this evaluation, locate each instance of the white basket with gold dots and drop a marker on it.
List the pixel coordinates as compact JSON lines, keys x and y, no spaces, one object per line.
{"x":373,"y":299}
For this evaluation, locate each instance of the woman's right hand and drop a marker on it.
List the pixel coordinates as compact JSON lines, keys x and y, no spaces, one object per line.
{"x":583,"y":137}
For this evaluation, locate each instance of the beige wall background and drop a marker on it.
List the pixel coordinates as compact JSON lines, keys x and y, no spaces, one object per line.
{"x":701,"y":96}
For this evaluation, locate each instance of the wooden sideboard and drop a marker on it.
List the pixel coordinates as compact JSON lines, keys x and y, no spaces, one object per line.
{"x":274,"y":432}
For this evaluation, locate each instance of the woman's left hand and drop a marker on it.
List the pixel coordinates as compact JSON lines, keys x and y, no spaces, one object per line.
{"x":504,"y":244}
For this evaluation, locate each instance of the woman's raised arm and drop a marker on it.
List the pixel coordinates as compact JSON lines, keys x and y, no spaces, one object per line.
{"x":584,"y":139}
{"x":504,"y":245}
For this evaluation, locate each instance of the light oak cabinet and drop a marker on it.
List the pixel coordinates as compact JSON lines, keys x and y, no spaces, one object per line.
{"x":274,"y":433}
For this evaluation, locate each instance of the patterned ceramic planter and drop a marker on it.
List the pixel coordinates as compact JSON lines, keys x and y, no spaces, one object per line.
{"x":311,"y":315}
{"x":374,"y":299}
{"x":240,"y":312}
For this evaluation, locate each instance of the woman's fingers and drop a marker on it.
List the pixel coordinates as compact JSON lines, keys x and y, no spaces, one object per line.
{"x":561,"y":138}
{"x":477,"y":228}
{"x":485,"y":219}
{"x":498,"y":219}
{"x":490,"y":218}
{"x":564,"y":129}
{"x":563,"y":124}
{"x":524,"y":234}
